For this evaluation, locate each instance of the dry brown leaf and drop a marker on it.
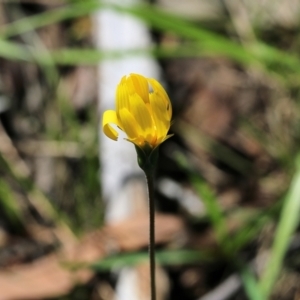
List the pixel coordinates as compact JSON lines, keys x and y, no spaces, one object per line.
{"x":50,"y":275}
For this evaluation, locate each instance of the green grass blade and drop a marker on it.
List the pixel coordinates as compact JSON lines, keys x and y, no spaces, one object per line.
{"x":78,"y":56}
{"x":250,"y":285}
{"x":166,"y":258}
{"x":14,"y":51}
{"x":9,"y":205}
{"x":253,"y":226}
{"x":210,"y":201}
{"x":204,"y":41}
{"x":213,"y":209}
{"x":49,"y":17}
{"x":287,"y":224}
{"x":212,"y":43}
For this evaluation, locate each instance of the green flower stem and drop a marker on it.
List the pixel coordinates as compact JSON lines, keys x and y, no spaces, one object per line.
{"x":150,"y":183}
{"x":147,"y":160}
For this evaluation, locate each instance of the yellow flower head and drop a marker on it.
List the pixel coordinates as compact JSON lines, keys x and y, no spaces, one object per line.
{"x":143,"y":112}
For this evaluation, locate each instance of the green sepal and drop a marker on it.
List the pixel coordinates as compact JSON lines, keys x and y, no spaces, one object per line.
{"x":147,"y":158}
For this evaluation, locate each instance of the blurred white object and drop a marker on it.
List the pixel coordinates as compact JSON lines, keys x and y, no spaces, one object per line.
{"x":127,"y":287}
{"x":116,"y":31}
{"x":134,"y":284}
{"x":187,"y":198}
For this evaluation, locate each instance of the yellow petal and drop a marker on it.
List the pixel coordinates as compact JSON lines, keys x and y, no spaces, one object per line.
{"x":159,"y":90}
{"x":130,"y":125}
{"x":122,"y":96}
{"x":141,"y":114}
{"x":110,"y":116}
{"x":138,"y":84}
{"x":160,"y":115}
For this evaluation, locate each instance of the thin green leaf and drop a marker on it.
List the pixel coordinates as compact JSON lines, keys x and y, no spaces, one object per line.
{"x":9,"y":205}
{"x":213,"y":210}
{"x":210,"y":201}
{"x":251,"y":285}
{"x":14,"y":51}
{"x":287,"y":224}
{"x":204,"y":41}
{"x":166,"y":258}
{"x":49,"y":17}
{"x":253,"y":226}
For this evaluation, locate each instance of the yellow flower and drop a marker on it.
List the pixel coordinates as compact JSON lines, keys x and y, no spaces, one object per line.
{"x":143,"y":112}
